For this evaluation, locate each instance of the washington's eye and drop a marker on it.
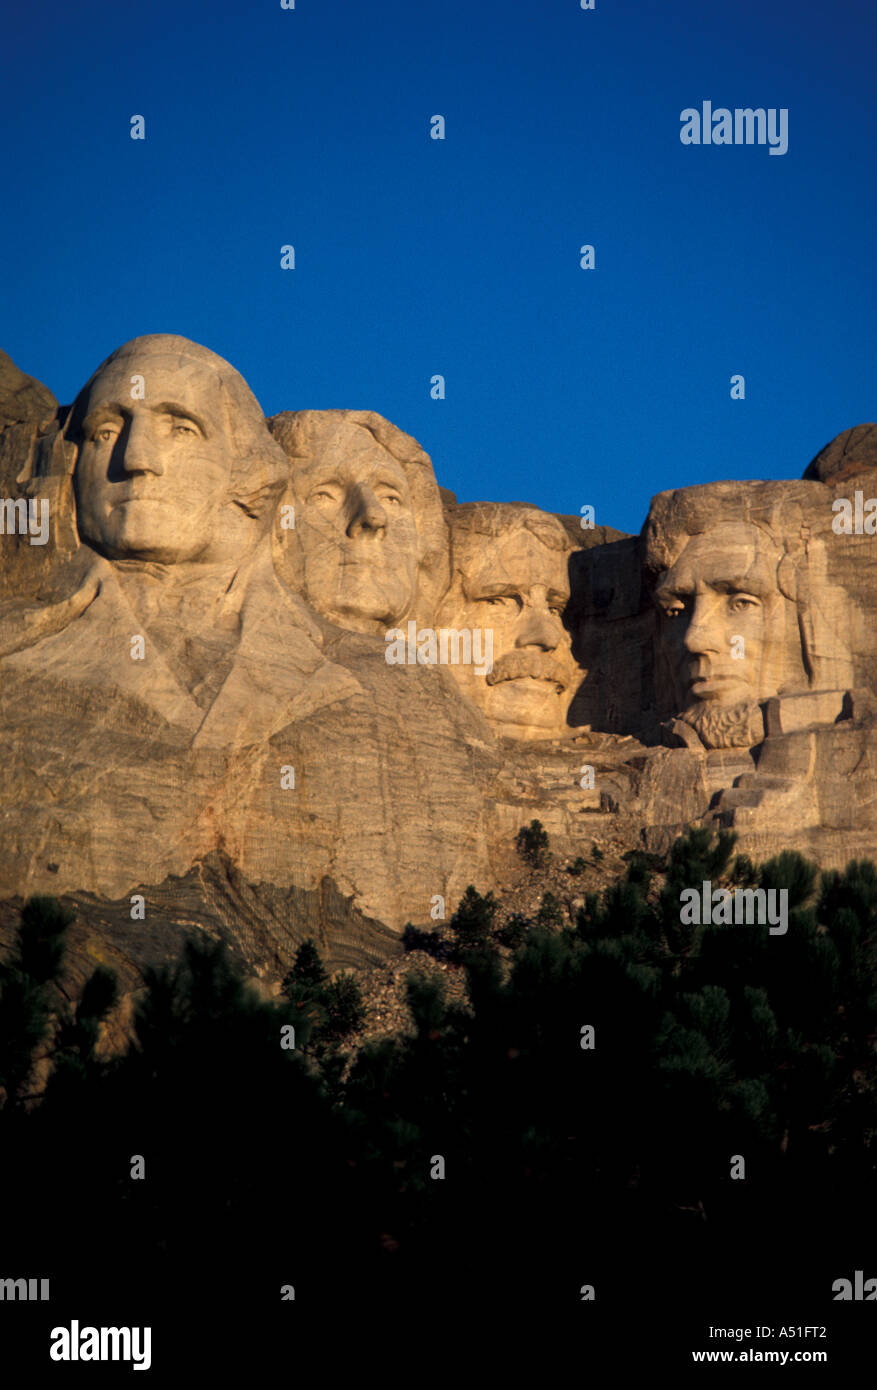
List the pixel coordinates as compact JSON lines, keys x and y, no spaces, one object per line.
{"x":322,"y":495}
{"x":106,"y":433}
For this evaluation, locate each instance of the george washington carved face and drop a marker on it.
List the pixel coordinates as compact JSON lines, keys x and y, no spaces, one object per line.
{"x":173,"y":457}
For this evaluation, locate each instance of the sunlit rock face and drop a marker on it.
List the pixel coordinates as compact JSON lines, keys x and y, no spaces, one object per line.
{"x":176,"y":481}
{"x":174,"y":700}
{"x":745,"y":612}
{"x":369,"y":544}
{"x":510,"y":587}
{"x":196,"y":618}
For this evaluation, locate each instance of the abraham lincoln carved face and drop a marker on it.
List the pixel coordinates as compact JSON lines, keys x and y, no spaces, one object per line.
{"x":729,"y":634}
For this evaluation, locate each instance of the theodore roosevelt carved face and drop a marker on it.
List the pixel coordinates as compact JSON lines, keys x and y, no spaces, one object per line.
{"x":510,"y":575}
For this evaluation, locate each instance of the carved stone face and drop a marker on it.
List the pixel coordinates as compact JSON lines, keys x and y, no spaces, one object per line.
{"x":369,"y":544}
{"x":358,"y":534}
{"x":727,"y":631}
{"x":153,"y":475}
{"x":509,"y":580}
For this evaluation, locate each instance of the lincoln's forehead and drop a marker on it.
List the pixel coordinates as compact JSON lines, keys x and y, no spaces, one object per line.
{"x":725,"y":556}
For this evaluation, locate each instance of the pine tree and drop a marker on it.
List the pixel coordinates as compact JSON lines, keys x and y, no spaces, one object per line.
{"x":533,"y":845}
{"x":25,"y":979}
{"x":472,"y":922}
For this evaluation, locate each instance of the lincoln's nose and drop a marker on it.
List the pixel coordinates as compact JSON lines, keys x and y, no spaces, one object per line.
{"x":701,"y":635}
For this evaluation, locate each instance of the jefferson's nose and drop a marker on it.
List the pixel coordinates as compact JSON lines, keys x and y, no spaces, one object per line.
{"x":140,"y":453}
{"x":366,"y":513}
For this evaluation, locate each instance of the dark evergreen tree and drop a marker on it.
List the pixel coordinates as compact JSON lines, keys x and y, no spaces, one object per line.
{"x":533,"y":844}
{"x":345,"y":1010}
{"x":26,"y":977}
{"x":472,"y":922}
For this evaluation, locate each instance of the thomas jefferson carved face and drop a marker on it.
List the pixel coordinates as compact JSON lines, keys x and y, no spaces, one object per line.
{"x":369,"y":546}
{"x":511,"y":577}
{"x":358,"y":534}
{"x":728,"y":632}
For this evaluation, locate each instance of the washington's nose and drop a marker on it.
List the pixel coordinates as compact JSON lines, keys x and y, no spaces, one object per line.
{"x":366,"y":512}
{"x":139,"y":452}
{"x":540,"y":628}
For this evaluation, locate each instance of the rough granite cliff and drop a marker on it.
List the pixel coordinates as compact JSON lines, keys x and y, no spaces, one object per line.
{"x":266,"y":680}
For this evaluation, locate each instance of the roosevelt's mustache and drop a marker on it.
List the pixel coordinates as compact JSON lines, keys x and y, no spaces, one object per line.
{"x":515,"y":665}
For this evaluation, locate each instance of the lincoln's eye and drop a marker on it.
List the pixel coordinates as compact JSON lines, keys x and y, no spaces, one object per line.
{"x":673,"y":612}
{"x":183,"y":427}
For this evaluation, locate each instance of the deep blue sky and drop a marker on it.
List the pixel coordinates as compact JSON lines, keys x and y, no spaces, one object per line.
{"x":415,"y":256}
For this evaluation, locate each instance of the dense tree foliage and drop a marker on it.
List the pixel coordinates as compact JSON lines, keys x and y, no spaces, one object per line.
{"x":586,"y":1104}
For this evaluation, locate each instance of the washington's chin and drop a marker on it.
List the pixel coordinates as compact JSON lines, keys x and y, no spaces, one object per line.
{"x":138,"y":546}
{"x":153,"y":530}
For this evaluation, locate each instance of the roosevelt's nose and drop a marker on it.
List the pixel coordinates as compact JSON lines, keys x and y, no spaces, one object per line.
{"x":366,"y":512}
{"x":702,"y":633}
{"x":139,"y":453}
{"x":539,"y":627}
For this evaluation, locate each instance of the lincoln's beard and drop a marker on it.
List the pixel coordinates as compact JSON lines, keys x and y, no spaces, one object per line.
{"x":726,"y":726}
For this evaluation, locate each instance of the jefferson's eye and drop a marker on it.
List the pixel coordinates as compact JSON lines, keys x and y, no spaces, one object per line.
{"x":322,"y":495}
{"x":740,"y":604}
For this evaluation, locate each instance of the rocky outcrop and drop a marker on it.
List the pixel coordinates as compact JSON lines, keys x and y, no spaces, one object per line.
{"x":247,"y":675}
